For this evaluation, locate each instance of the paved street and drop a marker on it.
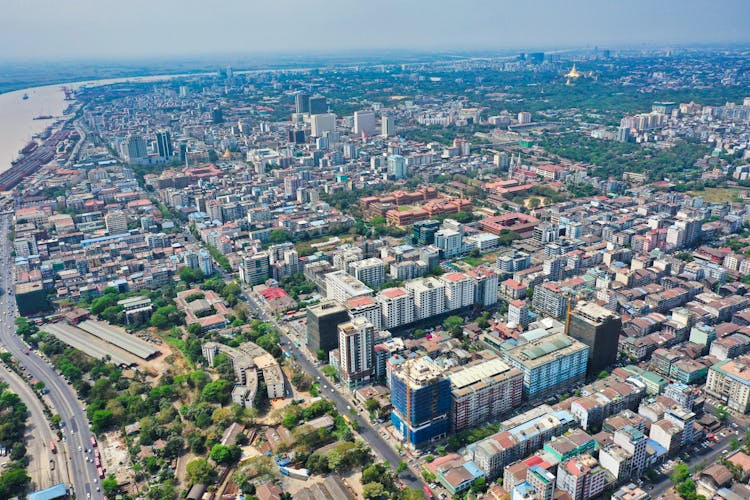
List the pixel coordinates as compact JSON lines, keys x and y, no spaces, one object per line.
{"x":61,"y":394}
{"x":366,"y":430}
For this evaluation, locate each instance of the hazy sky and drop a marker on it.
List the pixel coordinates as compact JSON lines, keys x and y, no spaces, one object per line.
{"x":50,"y":29}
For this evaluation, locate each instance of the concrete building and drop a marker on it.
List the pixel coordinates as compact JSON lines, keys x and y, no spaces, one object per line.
{"x":365,"y":307}
{"x":356,"y":355}
{"x":364,"y":123}
{"x":370,"y":271}
{"x":116,"y":222}
{"x":599,"y":328}
{"x":396,"y":307}
{"x":428,"y":295}
{"x":582,"y":477}
{"x":322,"y":325}
{"x":549,"y":364}
{"x":483,"y":392}
{"x":321,"y":124}
{"x":341,"y":286}
{"x":255,"y":269}
{"x":421,"y":401}
{"x":459,"y":290}
{"x":729,"y":382}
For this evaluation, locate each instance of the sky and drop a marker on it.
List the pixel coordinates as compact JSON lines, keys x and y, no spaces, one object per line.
{"x":88,"y":29}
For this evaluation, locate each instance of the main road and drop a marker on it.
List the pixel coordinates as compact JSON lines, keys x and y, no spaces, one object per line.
{"x":73,"y":457}
{"x":365,"y":429}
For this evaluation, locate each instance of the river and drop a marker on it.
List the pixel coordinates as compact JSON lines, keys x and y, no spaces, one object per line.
{"x":17,"y":124}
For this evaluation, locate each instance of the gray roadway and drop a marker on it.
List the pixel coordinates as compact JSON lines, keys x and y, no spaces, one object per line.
{"x":368,"y":433}
{"x":62,"y":396}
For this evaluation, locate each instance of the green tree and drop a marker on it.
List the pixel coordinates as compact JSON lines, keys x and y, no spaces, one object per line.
{"x":13,"y":481}
{"x":217,"y":391}
{"x":200,"y":471}
{"x":109,"y":484}
{"x":401,"y":467}
{"x":373,"y":490}
{"x":721,"y":413}
{"x":454,"y":325}
{"x":680,"y":473}
{"x":602,"y":374}
{"x":734,"y":443}
{"x":225,"y":455}
{"x":189,"y":275}
{"x":101,"y":420}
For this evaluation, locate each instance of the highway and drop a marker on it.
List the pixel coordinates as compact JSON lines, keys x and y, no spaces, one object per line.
{"x":39,"y":435}
{"x":368,"y":433}
{"x":81,"y":472}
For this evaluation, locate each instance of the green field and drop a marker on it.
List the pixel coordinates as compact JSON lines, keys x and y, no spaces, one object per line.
{"x":718,"y":195}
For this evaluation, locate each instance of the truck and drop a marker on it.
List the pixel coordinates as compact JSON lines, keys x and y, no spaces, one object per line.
{"x":302,"y":474}
{"x":52,"y":447}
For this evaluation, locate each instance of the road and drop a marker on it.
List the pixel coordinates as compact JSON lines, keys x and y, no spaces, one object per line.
{"x":366,"y":430}
{"x":39,"y":435}
{"x":705,"y":456}
{"x":63,"y":397}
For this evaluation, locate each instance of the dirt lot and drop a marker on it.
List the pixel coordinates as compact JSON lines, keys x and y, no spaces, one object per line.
{"x":115,"y":456}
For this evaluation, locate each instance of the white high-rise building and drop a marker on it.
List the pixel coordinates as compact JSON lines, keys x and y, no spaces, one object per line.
{"x":429,"y":297}
{"x":396,"y":307}
{"x":341,"y":287}
{"x":320,"y":124}
{"x":356,"y":352}
{"x":364,"y":123}
{"x":388,"y":126}
{"x":371,"y":271}
{"x":365,"y":307}
{"x":459,"y":290}
{"x":136,"y":148}
{"x":485,"y":286}
{"x":116,"y":222}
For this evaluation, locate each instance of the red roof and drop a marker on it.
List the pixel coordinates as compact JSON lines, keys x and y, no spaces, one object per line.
{"x":273,"y":293}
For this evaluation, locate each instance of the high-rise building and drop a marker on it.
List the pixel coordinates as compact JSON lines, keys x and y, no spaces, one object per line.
{"x":323,"y":320}
{"x":388,"y":126}
{"x":322,"y":123}
{"x":217,"y":115}
{"x":421,"y":401}
{"x":428,"y":295}
{"x":317,"y":105}
{"x":116,"y":222}
{"x":397,"y":167}
{"x":255,"y":269}
{"x":485,"y":286}
{"x":524,"y":117}
{"x":483,"y":392}
{"x":342,"y":286}
{"x":356,"y":354}
{"x":729,"y":382}
{"x":365,"y":307}
{"x":191,"y":260}
{"x":136,"y":148}
{"x":205,"y":262}
{"x":543,"y":482}
{"x":396,"y":307}
{"x":459,"y":290}
{"x":364,"y":123}
{"x":423,"y":232}
{"x":599,"y":328}
{"x":549,"y":364}
{"x":370,"y":271}
{"x":582,"y":477}
{"x":164,"y":144}
{"x":302,"y":103}
{"x":518,"y":313}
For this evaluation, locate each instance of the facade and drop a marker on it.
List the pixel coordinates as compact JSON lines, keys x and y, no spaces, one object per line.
{"x":421,"y":401}
{"x":371,"y":271}
{"x":364,"y":123}
{"x":322,"y":325}
{"x":729,"y":382}
{"x":599,"y":328}
{"x":255,"y":269}
{"x":549,"y":364}
{"x":164,"y":144}
{"x":321,"y":124}
{"x":356,"y":353}
{"x":582,"y":477}
{"x":396,"y":306}
{"x":341,"y":286}
{"x":459,"y":290}
{"x":549,"y":299}
{"x":428,"y":295}
{"x":396,"y":167}
{"x":116,"y":222}
{"x":483,"y":392}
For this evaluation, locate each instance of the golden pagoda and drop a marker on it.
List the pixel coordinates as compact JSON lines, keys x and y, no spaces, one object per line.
{"x":226,"y":154}
{"x":573,"y":73}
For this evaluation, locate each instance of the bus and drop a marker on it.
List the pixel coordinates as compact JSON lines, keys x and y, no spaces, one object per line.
{"x":100,"y":472}
{"x":428,"y":492}
{"x":52,"y":447}
{"x":93,"y":441}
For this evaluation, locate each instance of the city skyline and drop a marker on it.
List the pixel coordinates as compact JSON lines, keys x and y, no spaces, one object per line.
{"x":116,"y":31}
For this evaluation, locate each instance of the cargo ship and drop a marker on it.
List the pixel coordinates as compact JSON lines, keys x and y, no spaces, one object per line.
{"x":43,"y":117}
{"x":31,"y":146}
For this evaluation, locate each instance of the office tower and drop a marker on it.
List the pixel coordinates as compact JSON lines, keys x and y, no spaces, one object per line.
{"x":255,"y":269}
{"x":423,"y":232}
{"x":183,"y":91}
{"x":290,"y":186}
{"x":388,"y":126}
{"x":317,"y":105}
{"x":183,"y":152}
{"x":421,"y":401}
{"x":364,"y":123}
{"x":356,"y":355}
{"x":322,"y":325}
{"x":524,"y":117}
{"x":217,"y":116}
{"x":396,"y":167}
{"x":598,"y":328}
{"x":302,"y":103}
{"x":371,"y":271}
{"x":297,"y":136}
{"x":164,"y":144}
{"x":549,"y":364}
{"x":205,"y":262}
{"x":483,"y":392}
{"x":322,"y":123}
{"x":136,"y":148}
{"x":116,"y":222}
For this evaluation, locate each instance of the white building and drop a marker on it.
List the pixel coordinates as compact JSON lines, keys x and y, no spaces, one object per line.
{"x":459,"y":290}
{"x":341,"y":286}
{"x":356,"y":353}
{"x":365,"y":307}
{"x":369,"y":271}
{"x":396,"y":306}
{"x":364,"y":123}
{"x":322,"y":123}
{"x":429,"y":297}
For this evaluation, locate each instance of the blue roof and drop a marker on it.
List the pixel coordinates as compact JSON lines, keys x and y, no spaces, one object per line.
{"x":659,"y":449}
{"x":51,"y":493}
{"x":473,"y":469}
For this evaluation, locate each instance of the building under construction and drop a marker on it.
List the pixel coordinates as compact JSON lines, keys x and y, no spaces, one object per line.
{"x":421,"y":399}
